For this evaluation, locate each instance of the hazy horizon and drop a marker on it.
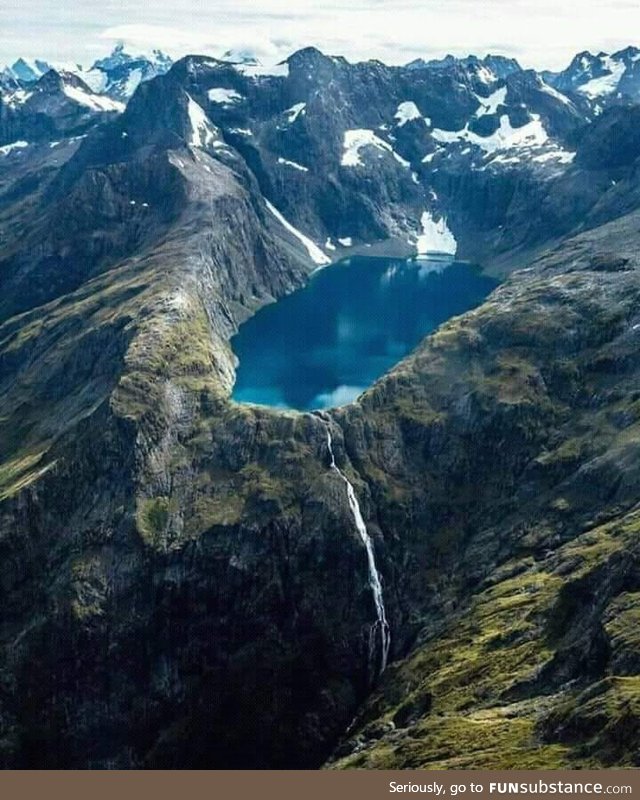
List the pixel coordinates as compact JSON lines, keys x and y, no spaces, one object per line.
{"x":540,"y":35}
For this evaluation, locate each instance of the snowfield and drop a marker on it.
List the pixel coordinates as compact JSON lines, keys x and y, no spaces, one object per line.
{"x":435,"y":237}
{"x":605,"y":84}
{"x":224,"y":96}
{"x":355,"y":140}
{"x":505,"y":138}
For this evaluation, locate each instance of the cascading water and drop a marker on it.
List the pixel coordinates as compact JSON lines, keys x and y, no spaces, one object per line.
{"x":380,"y":625}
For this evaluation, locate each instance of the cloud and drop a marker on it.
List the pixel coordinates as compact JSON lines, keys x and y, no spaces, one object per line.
{"x":338,"y":397}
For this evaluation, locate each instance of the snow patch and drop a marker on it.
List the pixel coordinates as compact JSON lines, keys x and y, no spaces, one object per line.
{"x":294,"y":112}
{"x":19,"y":97}
{"x":485,"y":75}
{"x":224,"y":96}
{"x":489,"y":105}
{"x":347,"y":241}
{"x":315,"y":253}
{"x":202,"y":132}
{"x":605,"y":84}
{"x":562,"y":156}
{"x":436,"y":236}
{"x":505,"y":158}
{"x":358,"y":138}
{"x":95,"y":79}
{"x":95,"y":102}
{"x":406,"y":112}
{"x":506,"y":137}
{"x":555,"y":93}
{"x":133,"y":81}
{"x":8,"y":148}
{"x":254,"y":68}
{"x":293,"y":164}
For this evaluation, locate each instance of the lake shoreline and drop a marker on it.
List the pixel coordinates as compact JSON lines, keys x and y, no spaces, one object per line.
{"x":324,"y":344}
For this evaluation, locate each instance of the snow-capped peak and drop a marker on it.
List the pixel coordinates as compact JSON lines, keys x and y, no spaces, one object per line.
{"x":601,"y":77}
{"x":607,"y":82}
{"x":29,"y":70}
{"x":119,"y":57}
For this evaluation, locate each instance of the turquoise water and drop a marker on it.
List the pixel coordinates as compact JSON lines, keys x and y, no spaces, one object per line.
{"x":324,"y":344}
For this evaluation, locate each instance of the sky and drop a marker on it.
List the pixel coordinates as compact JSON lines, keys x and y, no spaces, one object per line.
{"x":539,"y":34}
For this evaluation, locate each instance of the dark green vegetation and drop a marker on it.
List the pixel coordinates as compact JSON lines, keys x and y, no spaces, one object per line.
{"x":182,"y":583}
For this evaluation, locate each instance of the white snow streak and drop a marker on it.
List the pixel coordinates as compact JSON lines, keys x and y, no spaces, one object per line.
{"x":293,"y":164}
{"x":294,"y":112}
{"x":8,"y":148}
{"x":315,"y":253}
{"x":202,"y":133}
{"x":95,"y":102}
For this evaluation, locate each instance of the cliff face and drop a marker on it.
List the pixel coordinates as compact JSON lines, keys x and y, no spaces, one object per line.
{"x":526,"y":548}
{"x":183,"y":581}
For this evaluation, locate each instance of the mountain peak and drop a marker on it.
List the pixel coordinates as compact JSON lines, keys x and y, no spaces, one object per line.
{"x":120,"y":57}
{"x":307,"y":55}
{"x":29,"y":70}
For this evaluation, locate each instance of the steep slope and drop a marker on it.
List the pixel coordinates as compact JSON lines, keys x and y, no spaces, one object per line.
{"x":131,"y":345}
{"x":529,"y":656}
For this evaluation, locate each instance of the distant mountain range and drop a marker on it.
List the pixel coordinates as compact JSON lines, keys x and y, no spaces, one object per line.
{"x":600,"y":78}
{"x":423,"y":125}
{"x":117,"y":75}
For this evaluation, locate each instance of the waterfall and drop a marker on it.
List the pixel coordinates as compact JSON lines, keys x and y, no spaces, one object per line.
{"x":381,"y":625}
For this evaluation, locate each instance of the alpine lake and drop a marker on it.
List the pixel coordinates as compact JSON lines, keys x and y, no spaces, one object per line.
{"x":323,"y":345}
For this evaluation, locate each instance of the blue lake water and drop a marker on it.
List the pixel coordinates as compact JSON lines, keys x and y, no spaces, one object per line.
{"x":324,"y":344}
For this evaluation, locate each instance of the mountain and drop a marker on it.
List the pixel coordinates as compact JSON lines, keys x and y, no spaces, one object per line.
{"x":601,"y":78}
{"x":491,"y":67}
{"x":28,"y":70}
{"x":119,"y":74}
{"x":59,"y":105}
{"x":185,"y":583}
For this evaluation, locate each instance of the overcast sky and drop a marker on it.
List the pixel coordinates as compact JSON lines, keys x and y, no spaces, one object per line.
{"x":539,"y":34}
